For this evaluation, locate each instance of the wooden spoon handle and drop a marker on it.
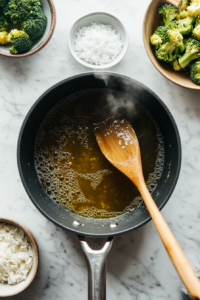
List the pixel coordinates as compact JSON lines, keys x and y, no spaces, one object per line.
{"x":177,"y":256}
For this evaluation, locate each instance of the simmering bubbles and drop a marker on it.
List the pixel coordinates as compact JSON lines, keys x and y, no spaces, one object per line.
{"x":71,"y":167}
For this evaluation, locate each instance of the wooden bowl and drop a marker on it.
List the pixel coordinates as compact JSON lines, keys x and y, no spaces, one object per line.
{"x":151,"y":22}
{"x":7,"y":290}
{"x":38,"y":44}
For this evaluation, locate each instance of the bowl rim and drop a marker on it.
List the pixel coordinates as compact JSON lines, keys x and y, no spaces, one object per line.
{"x":43,"y":43}
{"x":112,"y":63}
{"x":158,"y":66}
{"x":35,"y":249}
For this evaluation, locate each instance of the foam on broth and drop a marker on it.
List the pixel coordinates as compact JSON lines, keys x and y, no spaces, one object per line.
{"x":71,"y":167}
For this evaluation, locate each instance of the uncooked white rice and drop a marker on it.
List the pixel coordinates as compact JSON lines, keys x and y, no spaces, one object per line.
{"x":16,"y":254}
{"x":98,"y":44}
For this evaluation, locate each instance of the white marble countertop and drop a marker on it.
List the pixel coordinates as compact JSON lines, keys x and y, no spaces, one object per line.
{"x":138,"y":265}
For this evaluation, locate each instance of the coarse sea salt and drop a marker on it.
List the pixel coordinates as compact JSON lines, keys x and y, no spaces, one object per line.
{"x":98,"y":44}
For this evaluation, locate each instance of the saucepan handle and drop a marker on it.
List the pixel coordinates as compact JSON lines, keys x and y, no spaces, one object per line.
{"x":96,"y":261}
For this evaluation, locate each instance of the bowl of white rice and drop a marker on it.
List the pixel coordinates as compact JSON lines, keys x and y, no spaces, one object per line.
{"x":98,"y":40}
{"x":18,"y":257}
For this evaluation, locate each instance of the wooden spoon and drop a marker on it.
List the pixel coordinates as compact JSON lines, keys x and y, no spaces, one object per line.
{"x":118,"y":142}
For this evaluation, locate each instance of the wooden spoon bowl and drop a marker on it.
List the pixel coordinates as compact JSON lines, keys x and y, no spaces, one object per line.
{"x":118,"y":142}
{"x":150,"y":23}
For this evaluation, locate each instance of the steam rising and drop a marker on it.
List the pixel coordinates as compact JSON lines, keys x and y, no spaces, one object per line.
{"x":123,"y":104}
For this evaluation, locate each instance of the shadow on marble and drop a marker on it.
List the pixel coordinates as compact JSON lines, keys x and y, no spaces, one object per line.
{"x":185,"y":297}
{"x":126,"y":248}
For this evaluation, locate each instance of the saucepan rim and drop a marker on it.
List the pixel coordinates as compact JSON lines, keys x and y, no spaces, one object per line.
{"x":77,"y":230}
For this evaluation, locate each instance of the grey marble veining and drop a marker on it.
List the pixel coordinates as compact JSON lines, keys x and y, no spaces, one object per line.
{"x":138,"y":265}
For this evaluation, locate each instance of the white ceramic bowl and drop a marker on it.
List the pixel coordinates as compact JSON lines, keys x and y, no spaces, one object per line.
{"x":7,"y":290}
{"x":104,"y":18}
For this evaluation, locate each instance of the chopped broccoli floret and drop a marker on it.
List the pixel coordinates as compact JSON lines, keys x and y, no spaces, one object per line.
{"x":4,"y":22}
{"x":173,"y":36}
{"x":197,"y":21}
{"x":158,"y":38}
{"x":172,"y":25}
{"x":175,"y":25}
{"x":175,"y":65}
{"x":20,"y":41}
{"x":182,"y":47}
{"x":177,"y":52}
{"x":168,"y":12}
{"x":173,"y":40}
{"x":195,"y":72}
{"x":194,"y":9}
{"x":183,"y":14}
{"x":165,"y":53}
{"x":4,"y":38}
{"x":183,"y":5}
{"x":19,"y":10}
{"x":35,"y":26}
{"x":196,"y":33}
{"x":184,"y":26}
{"x":192,"y":52}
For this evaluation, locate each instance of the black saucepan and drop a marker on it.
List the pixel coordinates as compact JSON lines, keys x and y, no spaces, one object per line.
{"x":88,"y":226}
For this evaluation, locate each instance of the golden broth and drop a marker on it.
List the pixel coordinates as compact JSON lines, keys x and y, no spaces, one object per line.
{"x":71,"y":167}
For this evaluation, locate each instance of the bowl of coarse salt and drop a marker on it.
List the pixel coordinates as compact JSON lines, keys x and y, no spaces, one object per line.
{"x":98,"y":40}
{"x":18,"y":258}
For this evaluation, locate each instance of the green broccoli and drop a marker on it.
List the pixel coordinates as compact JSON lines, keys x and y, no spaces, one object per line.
{"x":192,"y":52}
{"x":158,"y":38}
{"x":195,"y":72}
{"x":194,"y":9}
{"x":4,"y":22}
{"x":177,"y":52}
{"x":35,"y":26}
{"x":20,"y":41}
{"x":175,"y":65}
{"x":183,"y":5}
{"x":175,"y":25}
{"x":183,"y":14}
{"x":173,"y":40}
{"x":19,"y":10}
{"x":168,"y":12}
{"x":184,"y":26}
{"x":197,"y":21}
{"x":196,"y":33}
{"x":4,"y":38}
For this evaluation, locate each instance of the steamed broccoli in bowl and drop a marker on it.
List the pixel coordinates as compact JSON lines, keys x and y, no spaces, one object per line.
{"x":192,"y":52}
{"x":19,"y":10}
{"x":35,"y":26}
{"x":26,"y":14}
{"x":4,"y":37}
{"x":20,"y":41}
{"x":168,"y":12}
{"x":177,"y":40}
{"x":167,"y":52}
{"x":158,"y":38}
{"x":195,"y":72}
